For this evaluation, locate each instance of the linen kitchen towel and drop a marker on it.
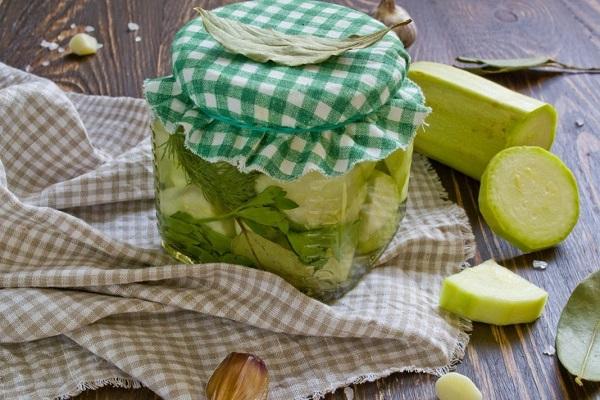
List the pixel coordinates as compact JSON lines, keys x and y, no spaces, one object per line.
{"x":88,"y":298}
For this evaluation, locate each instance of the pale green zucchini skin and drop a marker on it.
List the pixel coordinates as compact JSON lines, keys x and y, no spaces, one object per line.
{"x":474,"y":118}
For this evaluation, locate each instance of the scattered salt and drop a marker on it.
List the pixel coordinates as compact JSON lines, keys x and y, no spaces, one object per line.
{"x":538,"y":264}
{"x":132,"y":27}
{"x":61,"y":50}
{"x":27,"y":68}
{"x":349,"y":393}
{"x":89,"y":29}
{"x":45,"y":63}
{"x":49,"y":45}
{"x":579,"y":123}
{"x":138,"y":39}
{"x":549,"y":351}
{"x":73,"y":26}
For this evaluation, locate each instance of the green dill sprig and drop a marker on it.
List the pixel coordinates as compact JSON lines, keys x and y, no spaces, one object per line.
{"x":224,"y":186}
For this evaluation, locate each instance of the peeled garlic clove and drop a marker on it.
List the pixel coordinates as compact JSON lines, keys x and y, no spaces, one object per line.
{"x":390,"y":14}
{"x":240,"y":376}
{"x":455,"y":386}
{"x":83,"y":44}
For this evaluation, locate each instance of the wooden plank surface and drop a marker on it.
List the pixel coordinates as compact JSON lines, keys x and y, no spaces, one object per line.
{"x":506,"y":363}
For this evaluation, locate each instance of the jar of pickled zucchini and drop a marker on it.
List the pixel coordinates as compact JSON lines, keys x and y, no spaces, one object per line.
{"x":298,"y":170}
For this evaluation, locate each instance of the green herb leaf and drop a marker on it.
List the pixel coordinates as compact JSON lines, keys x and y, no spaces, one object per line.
{"x":267,"y":197}
{"x":496,"y":66}
{"x":185,"y":233}
{"x":314,"y":245}
{"x":266,"y":216}
{"x":283,"y":203}
{"x":223,"y":184}
{"x":217,"y":241}
{"x":269,"y":232}
{"x":272,"y":257}
{"x":266,"y":209}
{"x":578,"y":334}
{"x":236,"y":259}
{"x":263,"y":45}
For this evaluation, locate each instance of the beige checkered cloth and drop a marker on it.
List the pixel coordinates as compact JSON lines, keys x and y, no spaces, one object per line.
{"x":88,"y":299}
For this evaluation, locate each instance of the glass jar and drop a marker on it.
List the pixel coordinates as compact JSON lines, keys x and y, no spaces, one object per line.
{"x":320,"y":234}
{"x":332,"y":142}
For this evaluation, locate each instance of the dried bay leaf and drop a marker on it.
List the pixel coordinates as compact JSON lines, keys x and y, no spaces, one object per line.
{"x":578,"y":334}
{"x":508,"y":63}
{"x":496,"y":66}
{"x":263,"y":45}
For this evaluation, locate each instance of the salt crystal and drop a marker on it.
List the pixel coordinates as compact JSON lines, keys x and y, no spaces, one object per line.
{"x":579,"y":123}
{"x":45,"y":63}
{"x":27,"y":68}
{"x":49,"y":45}
{"x":89,"y":29}
{"x":538,"y":264}
{"x":349,"y":393}
{"x":73,"y":26}
{"x":549,"y":351}
{"x":132,"y":27}
{"x":138,"y":39}
{"x":61,"y":50}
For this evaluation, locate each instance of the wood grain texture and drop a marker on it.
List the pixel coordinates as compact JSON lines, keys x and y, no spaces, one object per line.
{"x":506,"y":363}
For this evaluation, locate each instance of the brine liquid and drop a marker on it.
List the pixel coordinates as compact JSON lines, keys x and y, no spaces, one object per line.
{"x":321,"y":234}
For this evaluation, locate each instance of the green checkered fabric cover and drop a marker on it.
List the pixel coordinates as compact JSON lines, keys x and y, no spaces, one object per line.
{"x":288,"y":121}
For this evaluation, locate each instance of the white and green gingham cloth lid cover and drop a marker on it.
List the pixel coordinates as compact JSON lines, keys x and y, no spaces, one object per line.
{"x":287,"y":121}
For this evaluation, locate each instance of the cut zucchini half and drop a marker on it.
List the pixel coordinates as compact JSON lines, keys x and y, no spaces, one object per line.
{"x":474,"y":118}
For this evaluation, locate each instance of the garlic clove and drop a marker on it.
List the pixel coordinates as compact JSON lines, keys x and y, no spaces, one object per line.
{"x":83,"y":44}
{"x":240,"y":376}
{"x":390,"y":14}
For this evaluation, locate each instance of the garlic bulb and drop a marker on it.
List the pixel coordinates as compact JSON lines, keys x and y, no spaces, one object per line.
{"x":240,"y":376}
{"x":390,"y":14}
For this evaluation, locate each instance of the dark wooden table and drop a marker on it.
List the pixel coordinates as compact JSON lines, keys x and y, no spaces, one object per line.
{"x":506,"y":363}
